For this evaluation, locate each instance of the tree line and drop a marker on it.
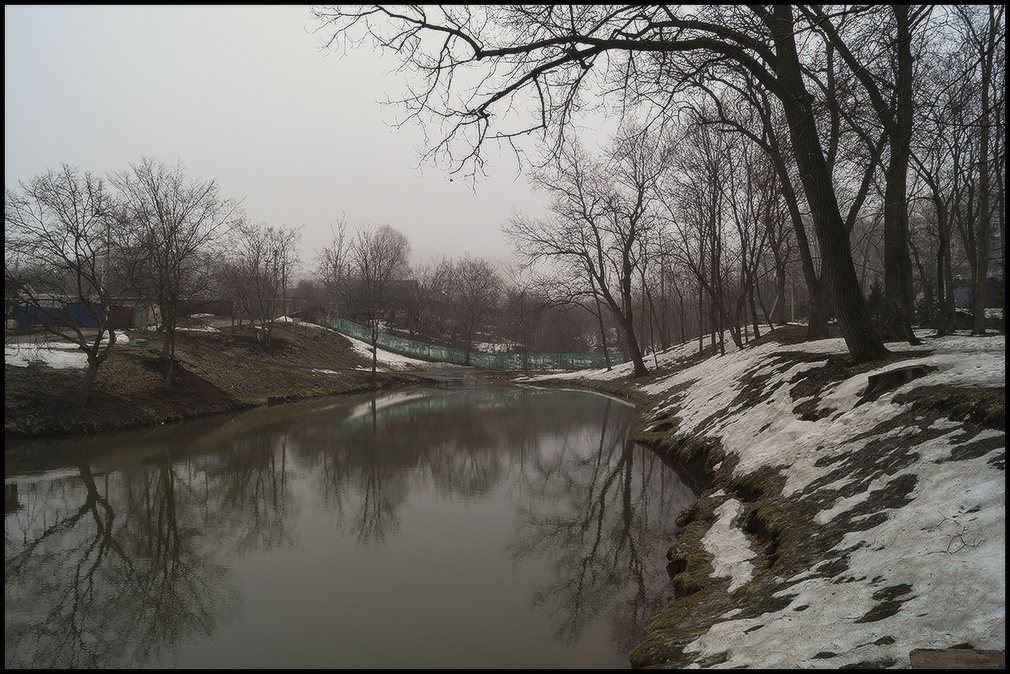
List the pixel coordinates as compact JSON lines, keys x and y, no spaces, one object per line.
{"x":468,"y":302}
{"x":864,"y":145}
{"x":77,"y":245}
{"x":846,"y":159}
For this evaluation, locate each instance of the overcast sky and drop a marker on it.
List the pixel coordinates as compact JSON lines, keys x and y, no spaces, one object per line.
{"x":244,"y":96}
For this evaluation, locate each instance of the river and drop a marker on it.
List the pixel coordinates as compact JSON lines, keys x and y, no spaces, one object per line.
{"x":491,"y":528}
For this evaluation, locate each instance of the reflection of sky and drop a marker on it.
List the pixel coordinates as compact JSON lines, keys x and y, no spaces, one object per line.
{"x":284,"y":508}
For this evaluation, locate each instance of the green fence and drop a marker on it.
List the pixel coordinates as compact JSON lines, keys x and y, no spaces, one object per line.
{"x":484,"y":361}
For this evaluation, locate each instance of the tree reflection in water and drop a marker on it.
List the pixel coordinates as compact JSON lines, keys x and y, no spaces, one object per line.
{"x":112,"y":580}
{"x":590,"y":514}
{"x":137,"y":566}
{"x":122,"y":567}
{"x":593,"y":516}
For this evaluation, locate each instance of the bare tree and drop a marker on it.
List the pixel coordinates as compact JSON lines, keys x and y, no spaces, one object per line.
{"x":667,"y":306}
{"x":732,"y":109}
{"x":334,"y":268}
{"x":985,"y":40}
{"x":942,"y":150}
{"x":433,"y":299}
{"x":566,"y":285}
{"x":167,"y":224}
{"x":949,"y":156}
{"x":478,"y":63}
{"x":56,"y":245}
{"x":604,"y":213}
{"x":889,"y":89}
{"x":474,"y":294}
{"x":525,"y":305}
{"x":698,"y":209}
{"x":379,"y":257}
{"x":752,"y":190}
{"x":258,"y":270}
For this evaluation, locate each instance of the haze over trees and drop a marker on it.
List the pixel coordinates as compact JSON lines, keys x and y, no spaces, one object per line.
{"x":831,"y":89}
{"x":762,"y":165}
{"x":473,"y":291}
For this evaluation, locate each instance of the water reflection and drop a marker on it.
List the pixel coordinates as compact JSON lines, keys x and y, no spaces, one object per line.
{"x":147,"y":547}
{"x":105,"y":569}
{"x":589,"y":515}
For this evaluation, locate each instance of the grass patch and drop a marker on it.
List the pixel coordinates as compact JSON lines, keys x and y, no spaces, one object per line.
{"x":983,"y":406}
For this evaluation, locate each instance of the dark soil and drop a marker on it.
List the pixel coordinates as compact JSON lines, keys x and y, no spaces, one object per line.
{"x":214,"y":372}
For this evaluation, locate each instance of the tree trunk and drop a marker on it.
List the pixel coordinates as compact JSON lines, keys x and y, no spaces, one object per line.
{"x":701,"y":319}
{"x":779,"y":308}
{"x":634,"y":351}
{"x":603,"y":330}
{"x":927,"y":285}
{"x":752,"y":304}
{"x":167,"y":358}
{"x":84,"y":393}
{"x":982,"y":240}
{"x":944,"y":271}
{"x":375,"y":347}
{"x":898,"y":292}
{"x":683,"y":319}
{"x":861,"y":339}
{"x":821,"y":307}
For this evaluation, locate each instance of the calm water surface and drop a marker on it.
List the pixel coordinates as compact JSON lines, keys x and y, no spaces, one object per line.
{"x":498,"y":527}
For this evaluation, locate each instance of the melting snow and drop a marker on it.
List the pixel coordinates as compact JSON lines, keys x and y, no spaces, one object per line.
{"x":947,"y":543}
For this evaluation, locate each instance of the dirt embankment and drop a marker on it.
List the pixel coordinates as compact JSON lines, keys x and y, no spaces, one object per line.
{"x":215,"y":372}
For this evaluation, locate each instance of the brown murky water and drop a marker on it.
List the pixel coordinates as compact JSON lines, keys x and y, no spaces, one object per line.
{"x":499,"y":527}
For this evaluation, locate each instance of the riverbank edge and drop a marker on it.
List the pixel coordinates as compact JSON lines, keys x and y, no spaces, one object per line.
{"x":215,"y":372}
{"x":148,"y":413}
{"x":780,"y":530}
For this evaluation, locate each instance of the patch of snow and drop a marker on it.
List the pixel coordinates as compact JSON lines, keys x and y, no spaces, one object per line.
{"x":58,"y":355}
{"x":947,"y":543}
{"x":728,"y":545}
{"x":385,"y":360}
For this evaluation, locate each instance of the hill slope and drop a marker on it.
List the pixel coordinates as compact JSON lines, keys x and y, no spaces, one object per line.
{"x":848,"y":515}
{"x":219,"y":370}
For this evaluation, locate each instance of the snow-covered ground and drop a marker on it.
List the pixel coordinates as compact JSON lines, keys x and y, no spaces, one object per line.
{"x":52,"y":353}
{"x":385,"y":360}
{"x":947,"y":543}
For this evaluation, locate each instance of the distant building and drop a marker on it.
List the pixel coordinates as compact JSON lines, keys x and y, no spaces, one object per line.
{"x":57,"y":311}
{"x":963,"y":293}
